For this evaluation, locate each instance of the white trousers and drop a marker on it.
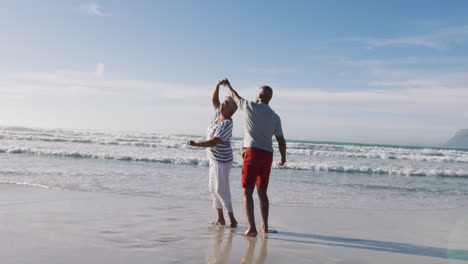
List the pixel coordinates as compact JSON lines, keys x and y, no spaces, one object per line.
{"x":219,"y":184}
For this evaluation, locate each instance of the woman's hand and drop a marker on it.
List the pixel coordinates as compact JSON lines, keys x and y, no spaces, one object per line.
{"x":205,"y":144}
{"x":223,"y":81}
{"x":220,"y":82}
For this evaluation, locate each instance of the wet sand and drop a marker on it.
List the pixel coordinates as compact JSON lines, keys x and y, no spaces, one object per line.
{"x":57,"y":226}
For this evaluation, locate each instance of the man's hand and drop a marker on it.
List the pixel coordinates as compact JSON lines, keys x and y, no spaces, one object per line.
{"x":225,"y":82}
{"x":282,"y":148}
{"x":191,"y":143}
{"x":282,"y":162}
{"x":231,"y":91}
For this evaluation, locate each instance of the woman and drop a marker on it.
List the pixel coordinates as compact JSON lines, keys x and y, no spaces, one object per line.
{"x":220,"y":155}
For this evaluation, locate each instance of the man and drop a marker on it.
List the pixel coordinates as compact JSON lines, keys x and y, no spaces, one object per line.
{"x":261,"y":123}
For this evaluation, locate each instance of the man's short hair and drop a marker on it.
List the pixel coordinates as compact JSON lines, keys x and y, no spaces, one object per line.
{"x":267,"y":95}
{"x":268,"y":89}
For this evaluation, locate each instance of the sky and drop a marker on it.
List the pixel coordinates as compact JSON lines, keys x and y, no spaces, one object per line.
{"x":389,"y":72}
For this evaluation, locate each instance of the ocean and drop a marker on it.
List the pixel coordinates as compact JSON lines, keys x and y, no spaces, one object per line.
{"x":317,"y":174}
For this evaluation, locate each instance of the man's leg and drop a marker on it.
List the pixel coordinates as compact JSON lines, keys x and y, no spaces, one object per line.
{"x":249,"y":212}
{"x":264,"y":207}
{"x":249,"y":174}
{"x":262,"y":186}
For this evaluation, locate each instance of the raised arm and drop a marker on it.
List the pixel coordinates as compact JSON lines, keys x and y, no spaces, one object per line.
{"x":231,"y":91}
{"x":215,"y":98}
{"x":282,"y":149}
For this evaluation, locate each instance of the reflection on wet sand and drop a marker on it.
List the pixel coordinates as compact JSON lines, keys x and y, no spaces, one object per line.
{"x":249,"y":252}
{"x":222,"y":244}
{"x":220,"y":251}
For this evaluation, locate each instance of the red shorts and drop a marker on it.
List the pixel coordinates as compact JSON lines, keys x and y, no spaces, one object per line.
{"x":256,"y":168}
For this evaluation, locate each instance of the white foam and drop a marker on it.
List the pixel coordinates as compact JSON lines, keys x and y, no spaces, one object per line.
{"x":372,"y":170}
{"x":203,"y":161}
{"x":155,"y":147}
{"x":30,"y":184}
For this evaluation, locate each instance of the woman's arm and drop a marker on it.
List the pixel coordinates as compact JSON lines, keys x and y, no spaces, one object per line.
{"x":205,"y":144}
{"x":231,"y":91}
{"x":215,"y":98}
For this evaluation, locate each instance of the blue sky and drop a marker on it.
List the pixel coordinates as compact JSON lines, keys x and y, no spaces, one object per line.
{"x":356,"y":71}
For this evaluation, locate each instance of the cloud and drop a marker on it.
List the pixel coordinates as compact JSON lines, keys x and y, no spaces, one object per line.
{"x":435,"y":40}
{"x":412,"y":84}
{"x":433,"y":100}
{"x":75,"y":83}
{"x":393,"y":91}
{"x":50,"y":98}
{"x":404,"y":61}
{"x":419,"y":78}
{"x":271,"y":70}
{"x":426,"y":92}
{"x":424,"y":41}
{"x":93,"y":9}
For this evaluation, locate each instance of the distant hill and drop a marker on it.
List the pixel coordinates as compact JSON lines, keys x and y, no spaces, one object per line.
{"x":460,"y":140}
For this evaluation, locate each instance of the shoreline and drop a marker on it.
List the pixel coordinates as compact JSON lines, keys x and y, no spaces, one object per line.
{"x":237,"y":138}
{"x":55,"y":226}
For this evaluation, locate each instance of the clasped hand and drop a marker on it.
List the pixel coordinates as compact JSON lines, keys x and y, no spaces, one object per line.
{"x":224,"y":82}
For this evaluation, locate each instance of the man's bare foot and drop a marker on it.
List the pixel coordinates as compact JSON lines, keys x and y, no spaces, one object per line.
{"x":233,"y":224}
{"x":264,"y":229}
{"x":219,"y":222}
{"x":250,"y":233}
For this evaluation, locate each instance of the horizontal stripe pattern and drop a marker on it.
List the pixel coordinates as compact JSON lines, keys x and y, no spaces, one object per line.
{"x":223,"y":151}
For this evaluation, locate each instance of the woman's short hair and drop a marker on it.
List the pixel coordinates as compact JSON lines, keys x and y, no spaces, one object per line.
{"x":232,"y":103}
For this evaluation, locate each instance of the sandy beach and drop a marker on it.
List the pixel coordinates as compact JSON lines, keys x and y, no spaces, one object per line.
{"x":56,"y":226}
{"x":126,"y":128}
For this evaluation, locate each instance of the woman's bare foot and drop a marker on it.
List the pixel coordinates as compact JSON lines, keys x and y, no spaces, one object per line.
{"x":219,"y":222}
{"x":233,"y":224}
{"x":232,"y":219}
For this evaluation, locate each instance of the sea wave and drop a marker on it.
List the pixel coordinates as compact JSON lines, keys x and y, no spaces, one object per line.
{"x":384,"y":153}
{"x":331,"y":167}
{"x":138,"y":142}
{"x":197,"y":161}
{"x":44,"y":186}
{"x":301,"y":149}
{"x":118,"y":156}
{"x":409,"y":189}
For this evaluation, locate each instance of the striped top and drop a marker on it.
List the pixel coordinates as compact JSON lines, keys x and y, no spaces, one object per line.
{"x":223,"y":151}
